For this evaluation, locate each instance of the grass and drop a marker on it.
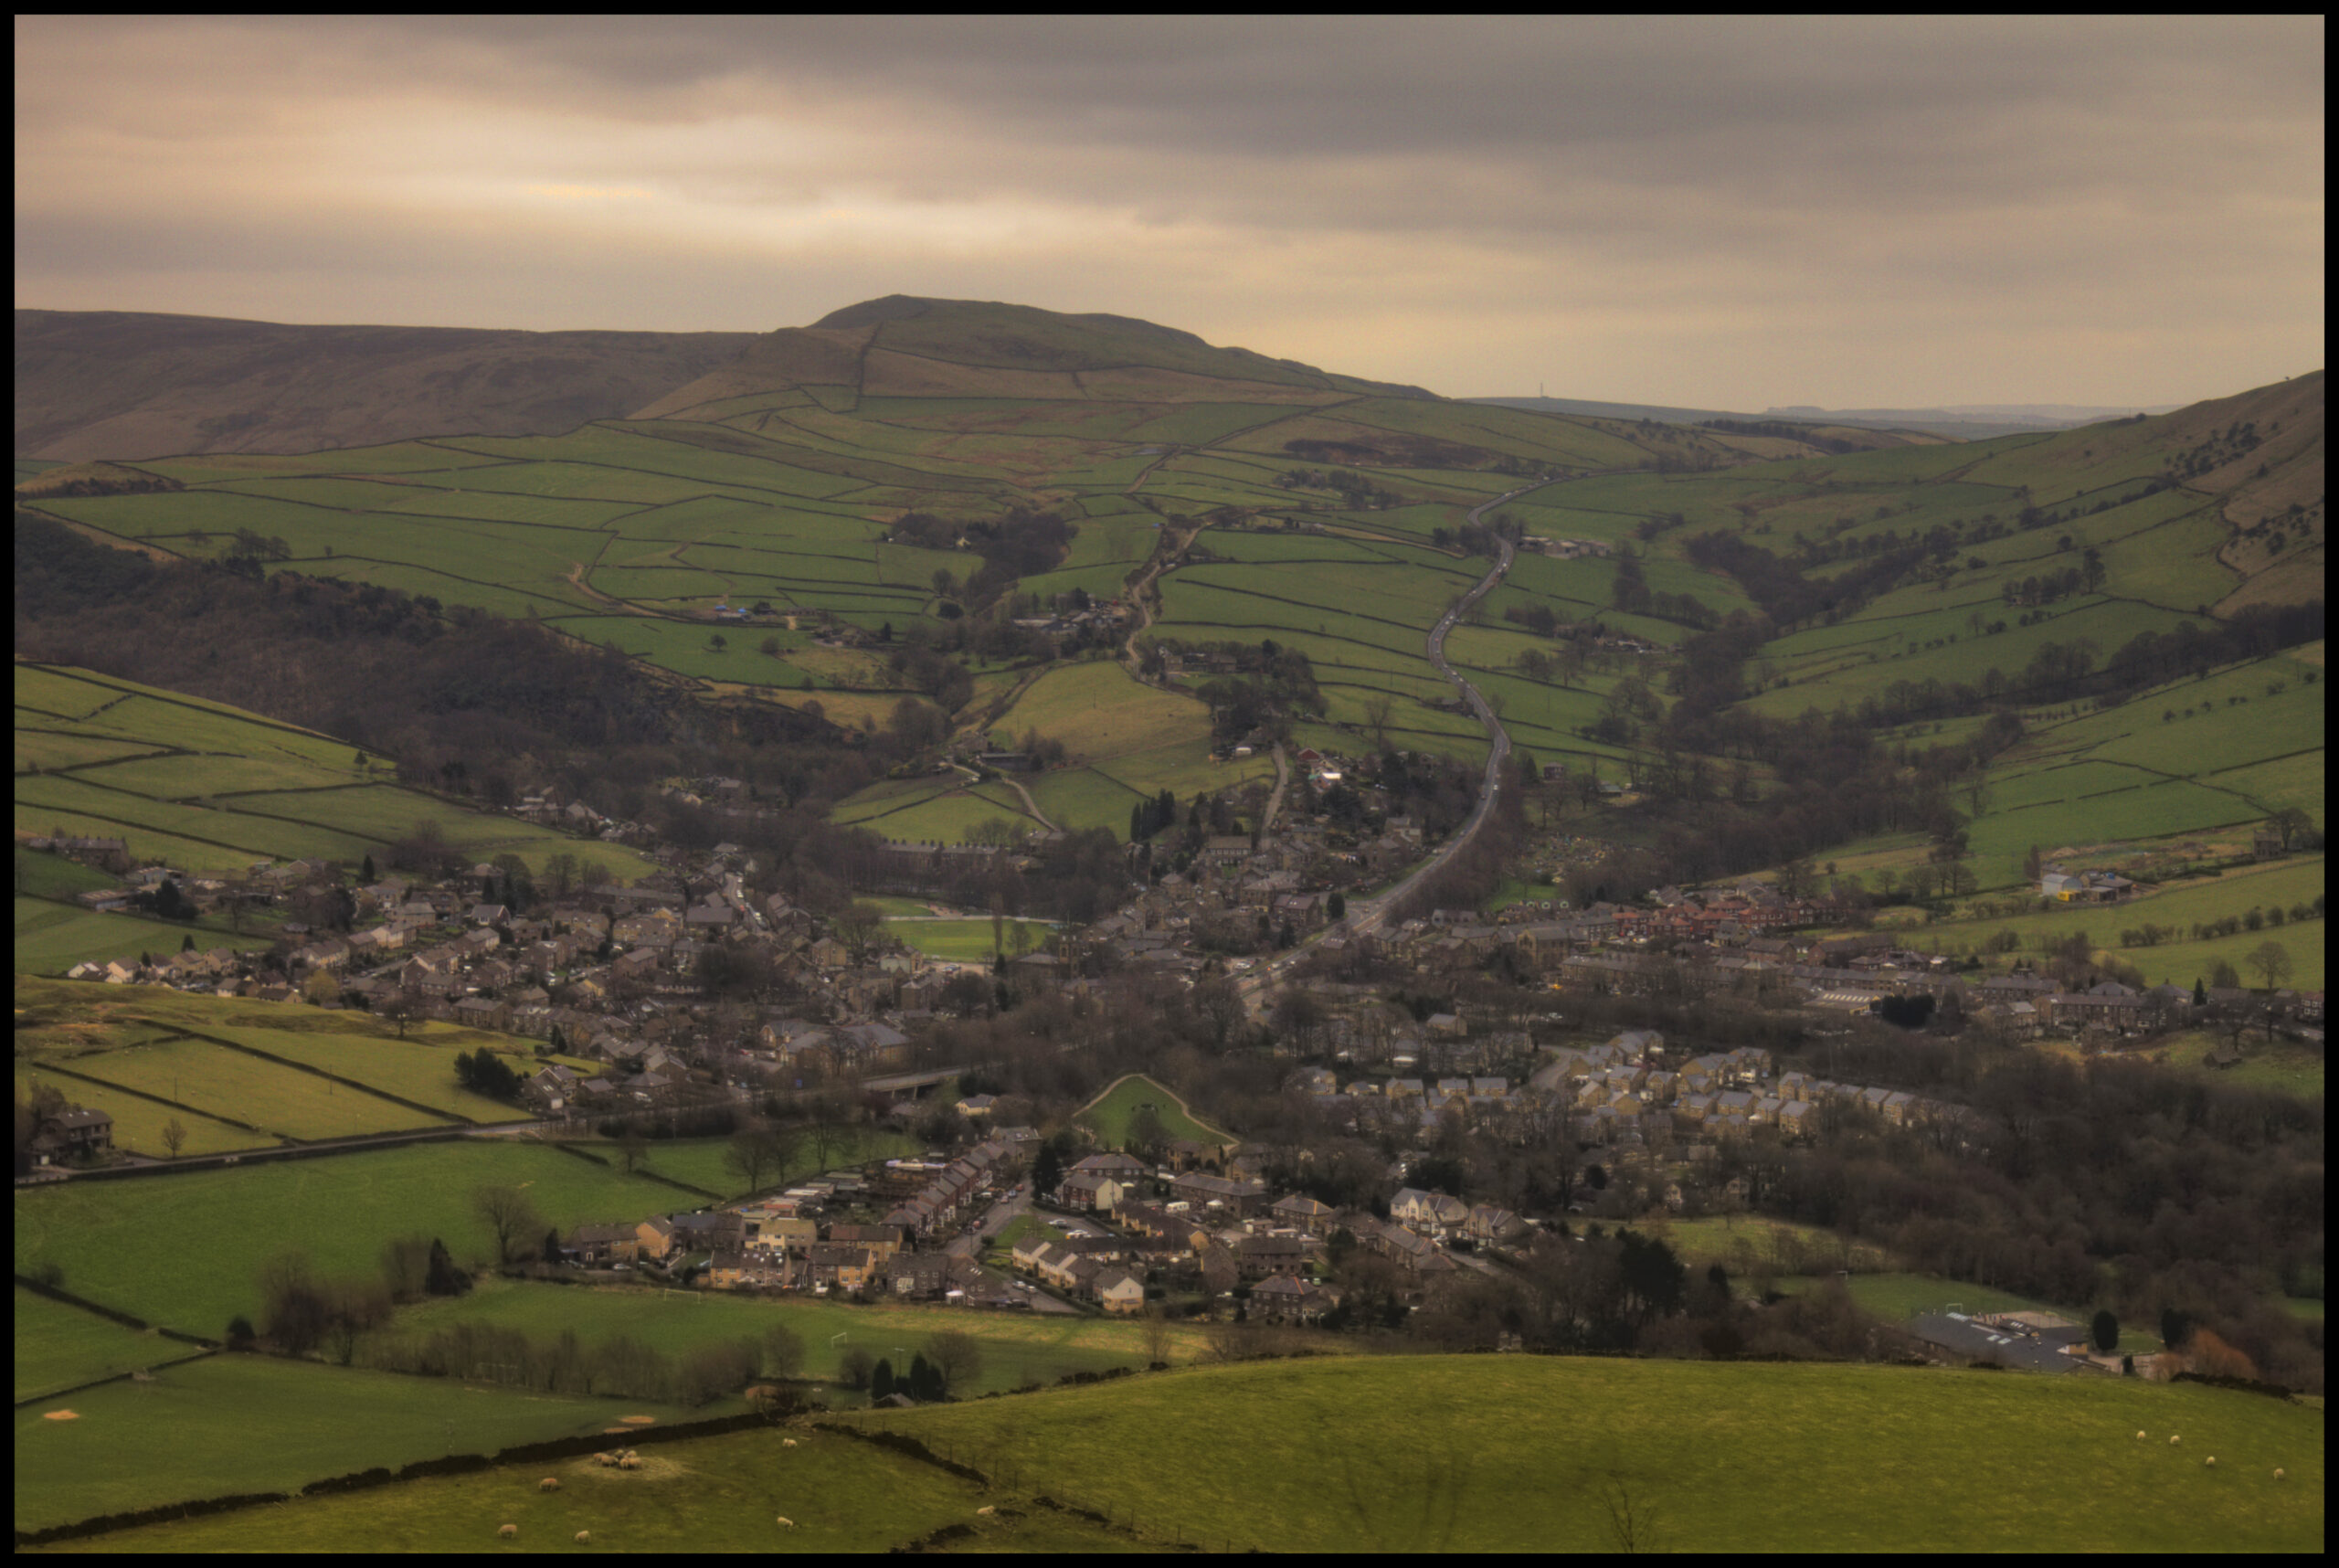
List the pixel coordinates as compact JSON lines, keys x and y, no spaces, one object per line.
{"x":1511,"y":1454}
{"x":1108,"y":1115}
{"x":720,"y":1494}
{"x":209,"y":787}
{"x":138,"y":1123}
{"x":249,"y":1424}
{"x":53,"y":937}
{"x":185,"y":1252}
{"x":1018,"y":1348}
{"x":59,"y":1346}
{"x":1741,"y":1242}
{"x":275,"y":1098}
{"x":962,"y":941}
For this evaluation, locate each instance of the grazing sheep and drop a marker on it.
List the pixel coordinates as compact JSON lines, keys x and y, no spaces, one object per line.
{"x":549,"y":1484}
{"x":629,"y":1462}
{"x":2211,"y":1462}
{"x":2174,"y":1439}
{"x":788,"y":1442}
{"x":2279,"y":1475}
{"x":985,"y":1511}
{"x":608,"y":1459}
{"x":509,"y":1532}
{"x":2140,"y":1436}
{"x":784,"y":1521}
{"x":583,"y":1538}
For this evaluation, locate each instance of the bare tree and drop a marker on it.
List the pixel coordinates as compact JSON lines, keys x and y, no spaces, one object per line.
{"x":634,"y":1150}
{"x":754,"y":1152}
{"x":173,"y":1137}
{"x":1157,"y":1335}
{"x":510,"y":1215}
{"x":2272,"y":962}
{"x":1377,"y":709}
{"x":1632,"y":1525}
{"x":957,"y":1355}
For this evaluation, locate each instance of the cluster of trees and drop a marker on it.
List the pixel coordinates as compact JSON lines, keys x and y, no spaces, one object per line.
{"x":619,"y":1367}
{"x":486,"y":1073}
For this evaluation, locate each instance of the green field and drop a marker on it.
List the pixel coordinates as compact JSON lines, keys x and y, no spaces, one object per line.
{"x":1509,"y":1454}
{"x":186,"y":1252}
{"x":209,"y":787}
{"x":60,"y":1347}
{"x":720,"y":1494}
{"x":247,"y":1424}
{"x":1108,"y":1116}
{"x":965,"y":941}
{"x":53,"y":937}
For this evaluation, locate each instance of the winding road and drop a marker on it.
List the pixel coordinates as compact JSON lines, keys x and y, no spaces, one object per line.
{"x":1367,"y":917}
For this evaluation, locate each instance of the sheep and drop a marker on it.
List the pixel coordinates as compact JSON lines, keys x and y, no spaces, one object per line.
{"x":508,"y":1531}
{"x":583,"y":1538}
{"x":2140,"y":1436}
{"x":630,"y":1462}
{"x":2279,"y":1475}
{"x":610,"y":1458}
{"x":2174,"y":1439}
{"x":549,"y":1484}
{"x":2210,"y":1463}
{"x":985,"y":1511}
{"x":784,"y":1521}
{"x":788,"y":1442}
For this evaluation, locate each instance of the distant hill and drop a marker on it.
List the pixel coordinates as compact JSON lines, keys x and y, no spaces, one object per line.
{"x":117,"y":383}
{"x":1963,"y":422}
{"x":905,"y":346}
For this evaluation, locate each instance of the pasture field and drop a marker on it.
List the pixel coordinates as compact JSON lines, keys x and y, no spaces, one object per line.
{"x":962,"y":941}
{"x":416,"y":1069}
{"x":53,"y":937}
{"x":235,"y":1424}
{"x":2278,"y":886}
{"x":59,"y":1346}
{"x":1743,"y":1242}
{"x":1108,"y":1114}
{"x":1018,"y":1348}
{"x":721,"y":1493}
{"x":185,"y":1252}
{"x":1076,"y":797}
{"x":209,"y":787}
{"x":138,"y":1122}
{"x":1510,"y":1453}
{"x":1100,"y":712}
{"x":2284,"y":1067}
{"x":275,"y":1098}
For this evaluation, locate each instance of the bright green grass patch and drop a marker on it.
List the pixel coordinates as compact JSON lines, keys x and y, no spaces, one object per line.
{"x":1018,"y":1348}
{"x":1108,"y":1116}
{"x":413,"y":1069}
{"x":1508,"y":1454}
{"x":59,"y":1346}
{"x":963,"y":942}
{"x":279,"y":1100}
{"x":249,"y":1424}
{"x":1098,"y":711}
{"x":1076,"y":797}
{"x":186,"y":1252}
{"x":2281,"y":1066}
{"x":720,"y":1494}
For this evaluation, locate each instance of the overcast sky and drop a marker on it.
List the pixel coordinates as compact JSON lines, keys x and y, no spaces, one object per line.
{"x":1736,"y":213}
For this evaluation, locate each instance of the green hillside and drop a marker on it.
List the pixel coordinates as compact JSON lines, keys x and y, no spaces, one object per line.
{"x":209,"y":789}
{"x":1444,"y":1453}
{"x":853,"y":482}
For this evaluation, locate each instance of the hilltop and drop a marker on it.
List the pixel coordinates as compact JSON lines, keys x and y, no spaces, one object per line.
{"x":129,"y":385}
